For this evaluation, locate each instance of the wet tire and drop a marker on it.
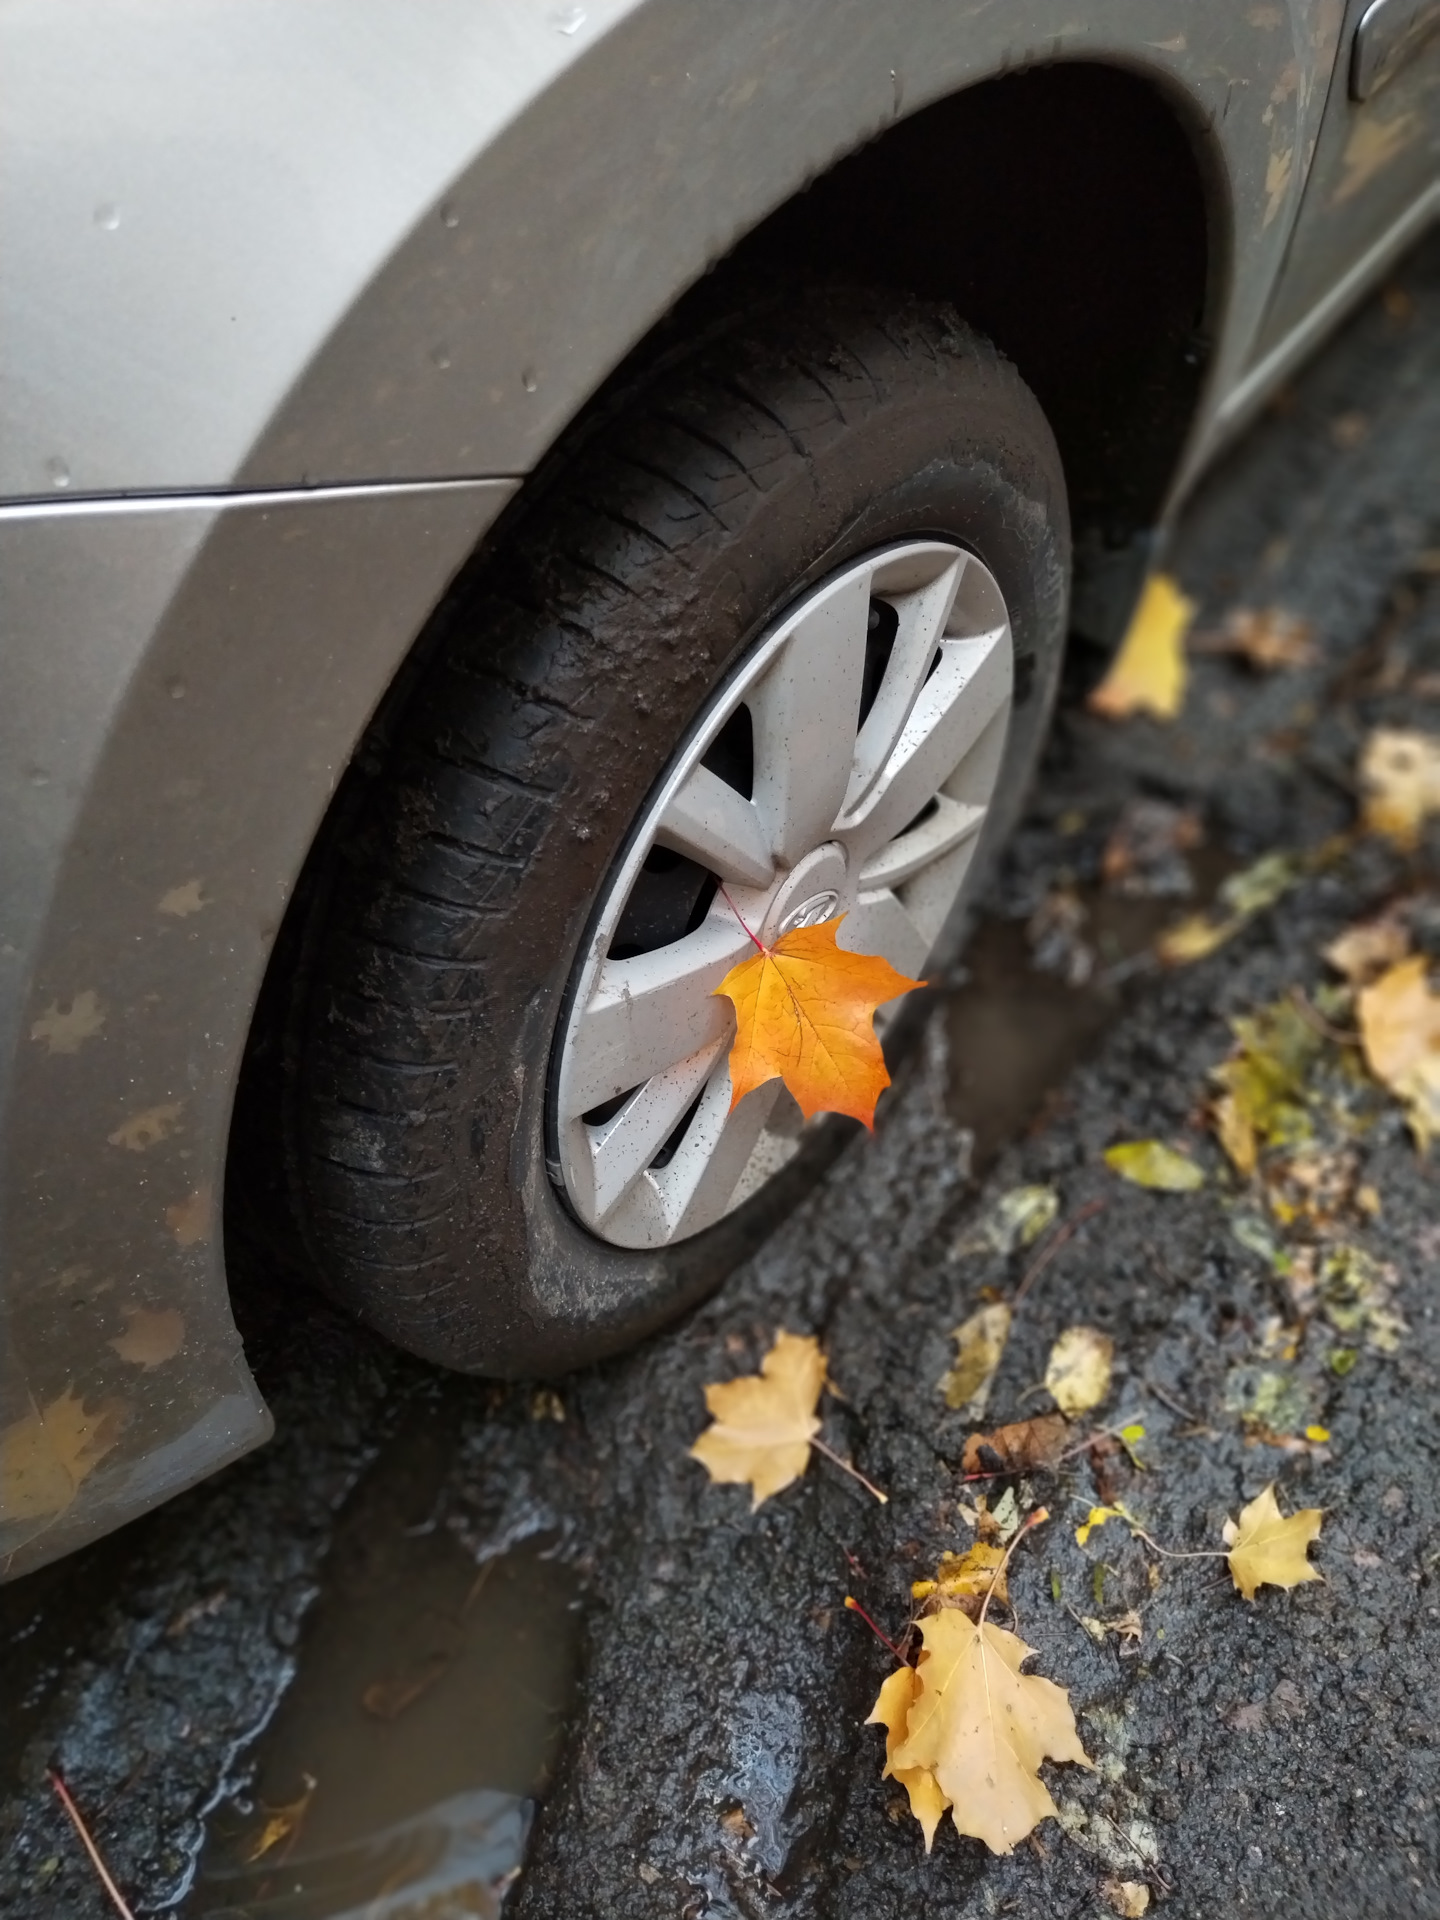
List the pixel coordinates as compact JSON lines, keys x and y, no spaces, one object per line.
{"x":558,"y":678}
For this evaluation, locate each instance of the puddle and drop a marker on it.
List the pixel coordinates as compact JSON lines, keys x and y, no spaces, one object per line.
{"x":1017,"y":1032}
{"x":398,"y":1778}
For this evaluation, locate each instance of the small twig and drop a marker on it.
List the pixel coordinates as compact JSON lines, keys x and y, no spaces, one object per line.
{"x":1317,"y":1022}
{"x":738,"y":915}
{"x":1065,"y":1231}
{"x":854,"y":1472}
{"x":1169,"y":1400}
{"x":77,"y":1821}
{"x":1094,"y":1439}
{"x":884,"y":1638}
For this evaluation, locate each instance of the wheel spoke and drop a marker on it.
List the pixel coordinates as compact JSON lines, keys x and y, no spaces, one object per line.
{"x":804,"y":711}
{"x":879,"y":923}
{"x":712,"y":823}
{"x":695,"y":1188}
{"x":649,"y":1013}
{"x":967,"y":690}
{"x":622,"y":1147}
{"x":950,"y":823}
{"x":922,"y":613}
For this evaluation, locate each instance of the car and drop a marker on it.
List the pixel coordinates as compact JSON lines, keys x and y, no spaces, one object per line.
{"x":493,"y":499}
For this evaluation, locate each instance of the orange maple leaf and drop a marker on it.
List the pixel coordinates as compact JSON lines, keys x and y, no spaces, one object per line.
{"x":805,"y":1012}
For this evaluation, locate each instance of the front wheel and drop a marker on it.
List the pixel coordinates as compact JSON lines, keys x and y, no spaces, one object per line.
{"x":778,"y":640}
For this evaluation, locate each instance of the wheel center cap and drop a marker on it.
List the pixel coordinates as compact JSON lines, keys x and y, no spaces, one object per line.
{"x":810,"y":913}
{"x":815,"y":889}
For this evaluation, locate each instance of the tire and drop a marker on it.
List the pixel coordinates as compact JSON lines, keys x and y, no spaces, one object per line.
{"x":557,"y":679}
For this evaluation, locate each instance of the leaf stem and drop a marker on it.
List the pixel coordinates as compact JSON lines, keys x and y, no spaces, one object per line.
{"x":854,"y":1472}
{"x":884,"y":1638}
{"x":96,"y":1860}
{"x":740,"y":916}
{"x":1031,"y":1520}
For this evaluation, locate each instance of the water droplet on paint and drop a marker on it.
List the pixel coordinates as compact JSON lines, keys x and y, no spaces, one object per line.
{"x":58,"y":471}
{"x":449,"y":214}
{"x":568,"y":19}
{"x":107,"y":215}
{"x":529,"y":380}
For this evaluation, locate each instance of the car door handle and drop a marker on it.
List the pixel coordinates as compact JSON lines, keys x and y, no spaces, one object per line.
{"x":1390,"y":33}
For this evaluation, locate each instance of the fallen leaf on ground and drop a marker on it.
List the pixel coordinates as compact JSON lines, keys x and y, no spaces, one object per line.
{"x":805,"y":1013}
{"x":1150,"y":1163}
{"x":891,"y":1711}
{"x":1266,"y":1549}
{"x":1264,"y":1100}
{"x":1129,"y":1898}
{"x":1242,"y":896}
{"x":1400,"y":1033}
{"x":1148,"y":674}
{"x":280,"y":1823}
{"x":980,"y":1728}
{"x":1017,"y":1218}
{"x":979,"y":1347}
{"x":965,"y":1580}
{"x":763,"y":1423}
{"x":1077,"y":1373}
{"x":1125,"y":1626}
{"x":1353,"y":1290}
{"x":1268,"y":639}
{"x":1054,"y":933}
{"x":1400,"y":779}
{"x":1364,"y":951}
{"x":1020,"y":1447}
{"x":1144,"y":856}
{"x":1097,"y":1517}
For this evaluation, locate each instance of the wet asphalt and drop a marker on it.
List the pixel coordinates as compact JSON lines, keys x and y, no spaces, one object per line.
{"x":441,"y":1625}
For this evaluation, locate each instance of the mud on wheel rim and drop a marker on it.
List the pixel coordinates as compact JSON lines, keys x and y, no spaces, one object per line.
{"x":846,"y":766}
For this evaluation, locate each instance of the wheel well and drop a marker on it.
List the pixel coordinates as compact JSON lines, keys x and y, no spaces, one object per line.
{"x":1066,"y":213}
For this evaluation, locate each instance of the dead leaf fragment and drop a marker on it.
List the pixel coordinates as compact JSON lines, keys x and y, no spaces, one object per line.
{"x":1268,"y":639}
{"x":1129,"y":1898}
{"x":1266,"y":1549}
{"x":180,"y":902}
{"x":762,"y":1424}
{"x":1400,"y":779}
{"x":280,"y":1823}
{"x":1016,"y":1219}
{"x":1242,"y":896}
{"x":189,"y":1219}
{"x":1400,"y":1033}
{"x":965,"y":1580}
{"x":1144,"y":856}
{"x":46,"y":1455}
{"x":805,"y":1014}
{"x":152,"y":1336}
{"x":981,"y":1728}
{"x":148,"y":1127}
{"x":1148,"y":673}
{"x":979,"y":1348}
{"x":1022,"y":1447}
{"x":1367,"y":949}
{"x":1077,"y":1373}
{"x":1150,"y":1163}
{"x":65,"y":1029}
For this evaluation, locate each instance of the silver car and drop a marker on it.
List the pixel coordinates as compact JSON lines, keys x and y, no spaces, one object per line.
{"x":497,"y":494}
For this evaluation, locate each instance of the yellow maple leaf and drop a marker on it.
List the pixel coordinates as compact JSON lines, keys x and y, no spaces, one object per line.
{"x":805,"y":1014}
{"x":981,"y":1728}
{"x":1077,"y":1373}
{"x":762,"y":1424}
{"x":1266,"y":1549}
{"x":1148,"y":674}
{"x":1400,"y":1033}
{"x":891,"y":1711}
{"x":1400,"y":779}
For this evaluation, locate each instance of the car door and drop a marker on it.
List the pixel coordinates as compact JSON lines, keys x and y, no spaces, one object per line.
{"x":1375,"y":178}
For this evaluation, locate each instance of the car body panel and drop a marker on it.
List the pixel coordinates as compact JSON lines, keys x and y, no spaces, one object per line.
{"x":181,"y":685}
{"x":358,"y":264}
